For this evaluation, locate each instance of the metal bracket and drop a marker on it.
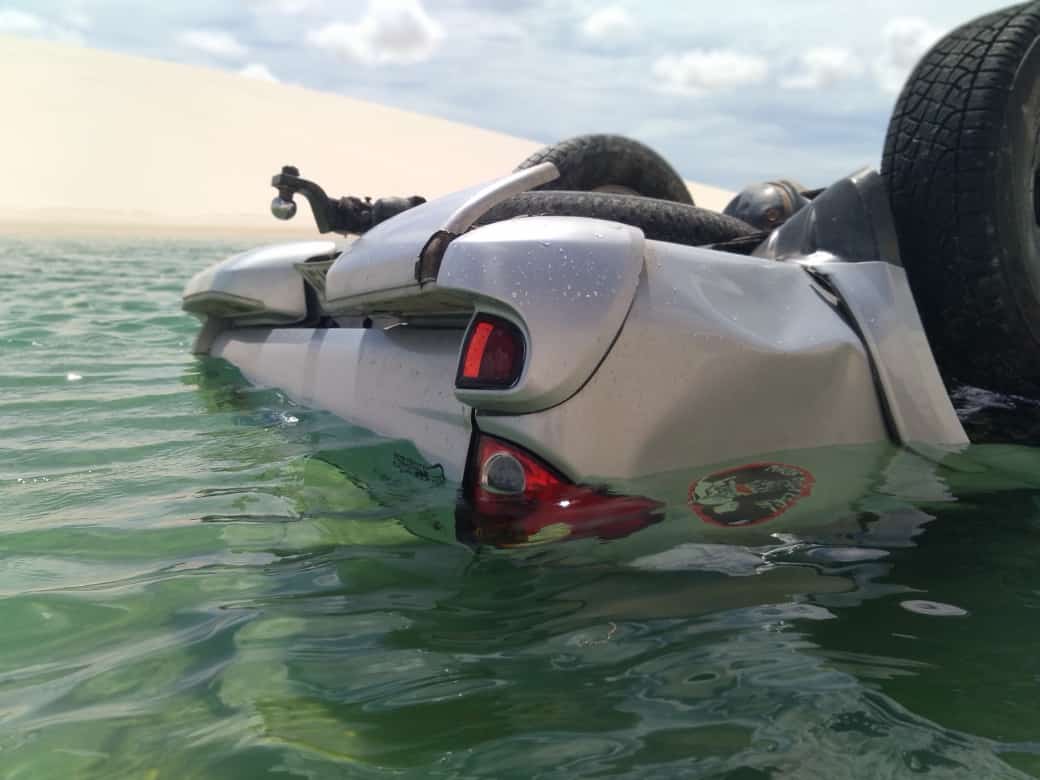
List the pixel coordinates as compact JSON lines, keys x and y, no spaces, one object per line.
{"x":462,"y":219}
{"x":348,"y":215}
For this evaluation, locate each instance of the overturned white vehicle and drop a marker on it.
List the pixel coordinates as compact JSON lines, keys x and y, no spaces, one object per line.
{"x":580,"y":323}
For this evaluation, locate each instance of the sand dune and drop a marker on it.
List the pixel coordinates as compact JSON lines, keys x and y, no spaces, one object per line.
{"x":106,"y":143}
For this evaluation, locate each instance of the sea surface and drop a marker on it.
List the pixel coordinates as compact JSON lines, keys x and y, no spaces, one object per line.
{"x":197,"y":582}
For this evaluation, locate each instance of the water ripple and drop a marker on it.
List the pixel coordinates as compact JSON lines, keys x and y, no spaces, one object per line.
{"x":200,"y":579}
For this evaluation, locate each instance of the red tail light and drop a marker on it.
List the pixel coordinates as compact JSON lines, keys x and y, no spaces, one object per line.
{"x":492,"y":354}
{"x":516,"y":499}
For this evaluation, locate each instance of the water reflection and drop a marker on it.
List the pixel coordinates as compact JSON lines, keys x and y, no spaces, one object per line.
{"x":665,"y":652}
{"x":201,"y":579}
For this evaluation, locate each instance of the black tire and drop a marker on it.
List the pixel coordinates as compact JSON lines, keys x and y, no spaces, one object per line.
{"x":962,"y":167}
{"x":591,"y":162}
{"x":661,"y":220}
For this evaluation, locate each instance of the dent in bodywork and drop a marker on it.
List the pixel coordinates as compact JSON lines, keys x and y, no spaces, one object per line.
{"x":707,"y":332}
{"x":877,"y":297}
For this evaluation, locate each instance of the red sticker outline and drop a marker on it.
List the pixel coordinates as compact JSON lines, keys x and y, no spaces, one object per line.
{"x":808,"y":481}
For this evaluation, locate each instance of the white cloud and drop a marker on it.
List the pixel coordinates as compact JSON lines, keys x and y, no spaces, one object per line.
{"x":289,"y":7}
{"x":699,"y":71}
{"x":396,"y":32}
{"x":78,"y":19}
{"x":16,"y":22}
{"x":491,"y":26}
{"x":903,"y":41}
{"x":19,"y":22}
{"x":213,"y":42}
{"x":823,"y":66}
{"x":75,"y":15}
{"x":607,"y":24}
{"x":258,"y":71}
{"x":283,"y":7}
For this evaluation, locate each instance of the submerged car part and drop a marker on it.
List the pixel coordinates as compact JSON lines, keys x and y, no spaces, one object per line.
{"x":514,"y":499}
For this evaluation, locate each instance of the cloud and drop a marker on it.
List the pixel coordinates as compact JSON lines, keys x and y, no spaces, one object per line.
{"x":699,"y":71}
{"x":75,"y":15}
{"x":607,"y":24}
{"x":491,"y":26}
{"x":258,"y":71}
{"x":285,"y":7}
{"x":216,"y":43}
{"x":397,"y":32}
{"x":78,"y":18}
{"x":903,"y":41}
{"x":823,"y":66}
{"x":20,"y":22}
{"x":16,"y":22}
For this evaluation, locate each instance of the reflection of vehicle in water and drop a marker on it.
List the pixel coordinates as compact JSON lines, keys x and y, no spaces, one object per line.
{"x":580,"y":322}
{"x":763,"y":646}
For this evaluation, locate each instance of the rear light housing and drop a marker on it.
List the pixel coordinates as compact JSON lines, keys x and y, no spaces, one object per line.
{"x":513,"y":498}
{"x":492,"y":354}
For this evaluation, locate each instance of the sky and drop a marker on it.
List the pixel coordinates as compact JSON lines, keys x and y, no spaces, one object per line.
{"x":729,"y":92}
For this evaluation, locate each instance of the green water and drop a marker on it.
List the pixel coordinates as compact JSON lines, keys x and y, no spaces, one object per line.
{"x":197,"y":582}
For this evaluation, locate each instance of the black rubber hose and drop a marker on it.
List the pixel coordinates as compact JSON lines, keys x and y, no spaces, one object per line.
{"x":589,"y":162}
{"x":660,"y":220}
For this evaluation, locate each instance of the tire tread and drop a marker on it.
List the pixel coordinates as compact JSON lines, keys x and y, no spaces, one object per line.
{"x":589,"y":161}
{"x":944,"y":134}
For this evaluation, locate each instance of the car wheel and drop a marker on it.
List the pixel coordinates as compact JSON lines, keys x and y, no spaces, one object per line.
{"x":611,"y":163}
{"x":962,"y":168}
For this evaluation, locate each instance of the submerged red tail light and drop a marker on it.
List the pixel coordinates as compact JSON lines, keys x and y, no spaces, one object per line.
{"x":514,"y":498}
{"x":492,"y":354}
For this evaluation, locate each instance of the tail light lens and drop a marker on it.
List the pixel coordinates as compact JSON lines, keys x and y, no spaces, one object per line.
{"x":492,"y":354}
{"x":514,"y":498}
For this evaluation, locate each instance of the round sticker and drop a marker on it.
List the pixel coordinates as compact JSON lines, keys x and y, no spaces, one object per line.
{"x":749,"y":494}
